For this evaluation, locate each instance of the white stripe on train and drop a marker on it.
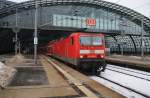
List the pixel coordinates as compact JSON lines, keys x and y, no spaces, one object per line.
{"x":91,"y":51}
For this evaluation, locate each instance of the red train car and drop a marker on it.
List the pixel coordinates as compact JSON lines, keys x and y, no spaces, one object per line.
{"x":83,"y":50}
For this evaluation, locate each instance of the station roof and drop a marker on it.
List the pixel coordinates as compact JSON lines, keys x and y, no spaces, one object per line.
{"x":124,"y":11}
{"x":5,"y":3}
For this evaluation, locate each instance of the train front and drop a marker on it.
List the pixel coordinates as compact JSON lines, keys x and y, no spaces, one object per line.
{"x":92,"y":52}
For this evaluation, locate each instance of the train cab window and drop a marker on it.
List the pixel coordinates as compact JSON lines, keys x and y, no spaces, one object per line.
{"x":91,"y":40}
{"x":72,"y":41}
{"x":97,"y":41}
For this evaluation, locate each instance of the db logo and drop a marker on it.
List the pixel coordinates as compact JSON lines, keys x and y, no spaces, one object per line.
{"x":91,"y":22}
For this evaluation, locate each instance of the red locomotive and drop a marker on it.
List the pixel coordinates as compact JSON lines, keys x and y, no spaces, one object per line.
{"x":83,"y":50}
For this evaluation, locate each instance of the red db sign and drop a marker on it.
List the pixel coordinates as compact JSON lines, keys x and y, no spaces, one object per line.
{"x":91,"y":22}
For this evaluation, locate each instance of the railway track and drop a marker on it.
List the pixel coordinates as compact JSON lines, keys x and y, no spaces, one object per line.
{"x":130,"y":70}
{"x":126,"y":87}
{"x":128,"y":74}
{"x":113,"y":76}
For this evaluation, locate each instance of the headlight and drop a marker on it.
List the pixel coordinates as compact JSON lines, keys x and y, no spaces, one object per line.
{"x":102,"y":56}
{"x":81,"y":56}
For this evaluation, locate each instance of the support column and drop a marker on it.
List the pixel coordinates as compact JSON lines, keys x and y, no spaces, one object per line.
{"x":116,"y":42}
{"x":133,"y":43}
{"x":35,"y":32}
{"x":142,"y":41}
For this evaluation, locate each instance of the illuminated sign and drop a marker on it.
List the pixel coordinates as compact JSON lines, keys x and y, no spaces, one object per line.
{"x":91,"y":22}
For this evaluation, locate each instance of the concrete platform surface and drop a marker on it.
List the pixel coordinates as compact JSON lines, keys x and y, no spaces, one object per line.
{"x":35,"y":80}
{"x":44,"y":80}
{"x":130,"y":60}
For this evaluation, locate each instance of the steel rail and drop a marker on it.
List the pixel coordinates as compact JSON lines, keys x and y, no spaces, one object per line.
{"x":128,"y":74}
{"x":131,"y":89}
{"x":129,"y":70}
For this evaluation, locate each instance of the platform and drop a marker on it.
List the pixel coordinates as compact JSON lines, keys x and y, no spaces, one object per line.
{"x":51,"y":79}
{"x":130,"y":61}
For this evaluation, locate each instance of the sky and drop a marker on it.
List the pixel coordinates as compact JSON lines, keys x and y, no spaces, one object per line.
{"x":141,"y":6}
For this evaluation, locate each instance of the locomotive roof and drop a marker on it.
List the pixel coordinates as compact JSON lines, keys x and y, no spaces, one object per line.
{"x":83,"y":33}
